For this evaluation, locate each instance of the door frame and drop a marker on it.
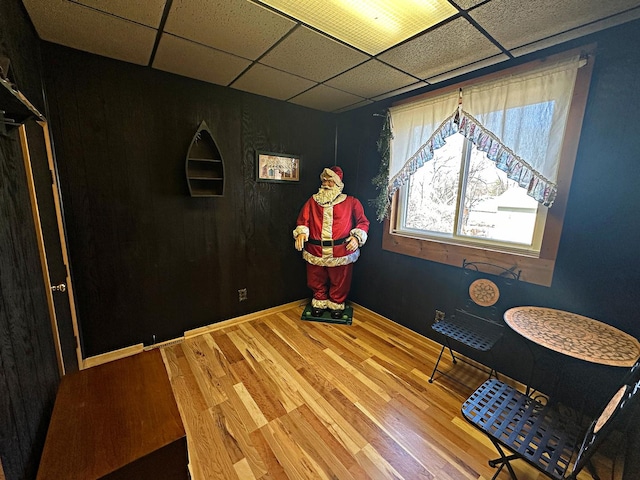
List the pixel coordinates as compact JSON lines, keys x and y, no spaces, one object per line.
{"x":55,"y":191}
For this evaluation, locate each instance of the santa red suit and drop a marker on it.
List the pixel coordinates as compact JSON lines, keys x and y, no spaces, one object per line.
{"x":329,"y":221}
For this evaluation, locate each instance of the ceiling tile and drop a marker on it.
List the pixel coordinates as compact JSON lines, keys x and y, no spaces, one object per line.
{"x":468,"y":68}
{"x":311,"y":55}
{"x":446,"y":48}
{"x":526,"y":21}
{"x":371,"y":26}
{"x":83,"y":28}
{"x":147,"y":13}
{"x":177,"y":55}
{"x":467,"y":4}
{"x":326,"y":98}
{"x":267,"y":81}
{"x":408,"y":88}
{"x":239,"y":27}
{"x":370,"y":79}
{"x":576,"y":33}
{"x":354,"y":106}
{"x":219,"y":41}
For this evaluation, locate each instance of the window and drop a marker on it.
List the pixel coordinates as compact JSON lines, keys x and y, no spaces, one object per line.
{"x":460,"y":194}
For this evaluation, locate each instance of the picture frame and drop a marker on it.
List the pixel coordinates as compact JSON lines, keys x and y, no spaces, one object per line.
{"x":275,"y":167}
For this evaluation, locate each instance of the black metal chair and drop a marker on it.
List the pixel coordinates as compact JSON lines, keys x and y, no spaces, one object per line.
{"x":542,"y":434}
{"x":477,"y":322}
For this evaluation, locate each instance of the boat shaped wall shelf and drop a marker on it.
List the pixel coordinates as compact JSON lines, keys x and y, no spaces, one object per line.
{"x":204,"y":165}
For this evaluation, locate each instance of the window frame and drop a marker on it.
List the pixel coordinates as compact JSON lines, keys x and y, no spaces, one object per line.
{"x":536,"y":269}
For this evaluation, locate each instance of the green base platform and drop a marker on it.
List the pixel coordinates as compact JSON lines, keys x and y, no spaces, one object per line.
{"x":347,"y":316}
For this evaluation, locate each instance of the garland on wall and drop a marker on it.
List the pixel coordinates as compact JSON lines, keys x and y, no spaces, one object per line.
{"x":381,"y":181}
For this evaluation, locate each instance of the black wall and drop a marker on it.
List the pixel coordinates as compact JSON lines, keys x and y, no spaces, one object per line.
{"x":28,"y":368}
{"x":148,"y":260}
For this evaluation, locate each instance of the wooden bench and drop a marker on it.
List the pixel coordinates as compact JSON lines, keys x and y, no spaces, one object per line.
{"x":116,"y":421}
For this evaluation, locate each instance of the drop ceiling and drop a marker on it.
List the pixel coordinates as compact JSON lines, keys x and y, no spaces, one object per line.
{"x":250,"y":46}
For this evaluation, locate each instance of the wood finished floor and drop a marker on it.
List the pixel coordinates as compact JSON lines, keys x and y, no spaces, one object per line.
{"x":280,"y":398}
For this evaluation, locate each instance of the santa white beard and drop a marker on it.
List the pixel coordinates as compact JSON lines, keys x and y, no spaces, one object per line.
{"x":327,"y":194}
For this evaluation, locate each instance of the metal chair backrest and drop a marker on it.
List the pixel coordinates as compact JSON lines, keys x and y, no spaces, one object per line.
{"x":485,"y":290}
{"x":612,"y":416}
{"x":633,"y":375}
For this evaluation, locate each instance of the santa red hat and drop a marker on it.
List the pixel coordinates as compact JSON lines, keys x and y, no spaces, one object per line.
{"x":334,"y":173}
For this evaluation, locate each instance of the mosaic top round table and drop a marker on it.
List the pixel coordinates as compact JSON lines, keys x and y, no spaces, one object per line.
{"x":574,"y":335}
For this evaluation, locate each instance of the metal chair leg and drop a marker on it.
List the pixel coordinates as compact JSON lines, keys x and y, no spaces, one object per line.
{"x":435,"y":368}
{"x":502,"y":461}
{"x":453,"y":357}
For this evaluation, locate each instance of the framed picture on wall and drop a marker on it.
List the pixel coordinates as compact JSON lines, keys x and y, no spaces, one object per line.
{"x":277,"y":167}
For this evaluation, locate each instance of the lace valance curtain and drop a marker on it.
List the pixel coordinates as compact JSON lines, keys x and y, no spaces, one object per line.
{"x":518,"y":121}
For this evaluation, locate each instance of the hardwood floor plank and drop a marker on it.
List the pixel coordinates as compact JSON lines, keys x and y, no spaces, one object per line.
{"x":322,"y":455}
{"x":393,"y":384}
{"x":246,"y":345}
{"x":170,"y":362}
{"x":377,"y":438}
{"x":260,"y":388}
{"x":284,"y":386}
{"x":203,"y":372}
{"x":347,"y":380}
{"x":242,"y":438}
{"x":336,"y":423}
{"x":274,"y":470}
{"x":394,"y":425}
{"x":185,"y":388}
{"x":284,"y":349}
{"x":223,"y":451}
{"x":206,"y":447}
{"x":341,"y":341}
{"x":393,"y":352}
{"x":278,"y":398}
{"x":321,"y":434}
{"x":360,"y":376}
{"x":376,"y":465}
{"x":296,"y":463}
{"x":445,"y":444}
{"x":243,"y":470}
{"x":218,"y":364}
{"x":310,"y":393}
{"x":228,"y":348}
{"x":257,"y":418}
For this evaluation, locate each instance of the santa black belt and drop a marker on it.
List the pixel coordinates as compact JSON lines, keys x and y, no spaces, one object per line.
{"x":327,"y":243}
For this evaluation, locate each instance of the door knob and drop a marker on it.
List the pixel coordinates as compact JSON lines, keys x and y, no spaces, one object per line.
{"x":59,"y":288}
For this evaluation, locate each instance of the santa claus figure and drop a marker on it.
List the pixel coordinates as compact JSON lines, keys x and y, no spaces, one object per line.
{"x":330,"y":230}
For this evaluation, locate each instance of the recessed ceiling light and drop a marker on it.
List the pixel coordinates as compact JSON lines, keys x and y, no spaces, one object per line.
{"x":369,"y":25}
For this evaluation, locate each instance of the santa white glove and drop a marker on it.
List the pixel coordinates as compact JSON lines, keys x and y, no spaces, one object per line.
{"x":300,"y":239}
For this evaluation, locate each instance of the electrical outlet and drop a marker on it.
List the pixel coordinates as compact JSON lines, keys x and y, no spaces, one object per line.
{"x":439,"y":315}
{"x":242,"y":294}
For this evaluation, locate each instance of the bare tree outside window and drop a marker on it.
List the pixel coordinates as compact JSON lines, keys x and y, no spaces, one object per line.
{"x":492,"y":206}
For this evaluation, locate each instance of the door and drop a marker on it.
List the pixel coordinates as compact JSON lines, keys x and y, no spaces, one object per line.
{"x":49,"y":225}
